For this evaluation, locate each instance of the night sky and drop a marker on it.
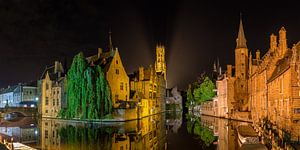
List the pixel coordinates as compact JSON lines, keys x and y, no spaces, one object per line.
{"x":34,"y":33}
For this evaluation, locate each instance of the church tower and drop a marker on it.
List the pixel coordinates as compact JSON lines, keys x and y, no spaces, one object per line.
{"x":241,"y":69}
{"x":160,"y":64}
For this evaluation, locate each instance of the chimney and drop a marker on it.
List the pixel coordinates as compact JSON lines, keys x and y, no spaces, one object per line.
{"x":141,"y":73}
{"x":257,"y":54}
{"x":229,"y":70}
{"x":58,"y":68}
{"x":99,"y":52}
{"x":282,"y":41}
{"x":56,"y":64}
{"x":273,"y":42}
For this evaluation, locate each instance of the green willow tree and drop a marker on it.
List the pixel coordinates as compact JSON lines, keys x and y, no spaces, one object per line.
{"x":205,"y":91}
{"x":74,"y":85}
{"x":189,"y":97}
{"x":88,"y":91}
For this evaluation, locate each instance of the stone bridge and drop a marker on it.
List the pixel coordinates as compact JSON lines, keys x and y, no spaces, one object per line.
{"x":21,"y":111}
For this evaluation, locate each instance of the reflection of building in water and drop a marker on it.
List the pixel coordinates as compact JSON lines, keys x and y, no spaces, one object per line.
{"x":225,"y":130}
{"x":49,"y":137}
{"x":20,"y":134}
{"x":147,"y":133}
{"x":174,"y":122}
{"x":151,"y":134}
{"x":120,"y":141}
{"x":21,"y":130}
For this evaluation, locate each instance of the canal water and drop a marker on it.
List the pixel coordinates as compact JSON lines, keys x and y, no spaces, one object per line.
{"x":172,"y":131}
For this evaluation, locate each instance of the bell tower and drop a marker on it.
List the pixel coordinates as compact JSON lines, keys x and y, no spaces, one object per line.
{"x":160,"y":64}
{"x":241,"y":69}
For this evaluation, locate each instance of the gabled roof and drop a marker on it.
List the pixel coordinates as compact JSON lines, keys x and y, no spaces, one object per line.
{"x":52,"y":75}
{"x":104,"y":60}
{"x":281,"y":66}
{"x":9,"y":89}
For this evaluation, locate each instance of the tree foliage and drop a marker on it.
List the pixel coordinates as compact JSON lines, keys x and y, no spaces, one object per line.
{"x":189,"y":96}
{"x":205,"y":91}
{"x":88,"y":92}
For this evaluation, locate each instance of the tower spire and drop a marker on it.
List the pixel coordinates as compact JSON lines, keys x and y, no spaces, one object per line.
{"x":110,"y":46}
{"x":241,"y":40}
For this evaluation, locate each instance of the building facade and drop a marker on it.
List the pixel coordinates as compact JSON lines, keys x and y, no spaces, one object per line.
{"x":267,"y":87}
{"x":115,"y":74}
{"x":148,"y":86}
{"x":52,"y":91}
{"x":21,"y":95}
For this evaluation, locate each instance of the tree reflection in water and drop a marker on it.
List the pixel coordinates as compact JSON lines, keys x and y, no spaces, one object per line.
{"x":86,"y":137}
{"x":201,"y":132}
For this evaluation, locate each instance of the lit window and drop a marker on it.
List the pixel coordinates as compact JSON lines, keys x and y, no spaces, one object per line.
{"x":47,"y":101}
{"x":297,"y":110}
{"x":122,"y":86}
{"x":46,"y":133}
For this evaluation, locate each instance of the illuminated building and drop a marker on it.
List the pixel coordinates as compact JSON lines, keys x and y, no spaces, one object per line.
{"x":115,"y":74}
{"x":267,"y":86}
{"x":52,"y":90}
{"x":21,"y":95}
{"x":148,"y":86}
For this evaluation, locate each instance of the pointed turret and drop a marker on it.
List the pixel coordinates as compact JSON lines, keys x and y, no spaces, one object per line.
{"x":110,"y":45}
{"x":241,"y":40}
{"x":215,"y":67}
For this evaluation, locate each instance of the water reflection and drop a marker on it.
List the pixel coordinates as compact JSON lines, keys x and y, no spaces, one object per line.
{"x":147,"y":133}
{"x":165,"y":131}
{"x":21,"y":129}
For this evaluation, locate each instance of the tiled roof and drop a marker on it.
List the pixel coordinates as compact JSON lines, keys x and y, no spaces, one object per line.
{"x":104,"y":60}
{"x":281,"y":66}
{"x":53,"y":76}
{"x":9,"y":89}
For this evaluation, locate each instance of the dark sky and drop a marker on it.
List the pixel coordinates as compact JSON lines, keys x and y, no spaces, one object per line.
{"x":34,"y":33}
